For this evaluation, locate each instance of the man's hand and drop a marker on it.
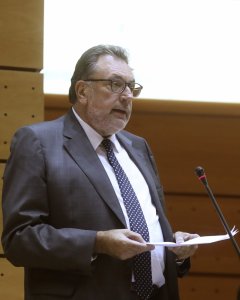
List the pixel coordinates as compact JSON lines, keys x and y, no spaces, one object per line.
{"x":120,"y":243}
{"x":185,"y":251}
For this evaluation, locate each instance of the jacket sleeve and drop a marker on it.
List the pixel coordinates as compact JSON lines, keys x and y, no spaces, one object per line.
{"x":28,"y":238}
{"x":183,"y":269}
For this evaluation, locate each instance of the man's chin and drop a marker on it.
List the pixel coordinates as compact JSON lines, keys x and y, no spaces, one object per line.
{"x":115,"y":128}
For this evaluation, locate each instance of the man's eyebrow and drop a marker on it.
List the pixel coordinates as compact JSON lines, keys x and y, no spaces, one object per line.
{"x":115,"y":76}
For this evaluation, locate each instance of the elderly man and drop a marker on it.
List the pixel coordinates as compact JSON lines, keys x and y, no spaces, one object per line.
{"x":82,"y":201}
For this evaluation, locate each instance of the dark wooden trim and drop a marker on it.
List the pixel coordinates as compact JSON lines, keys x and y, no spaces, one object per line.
{"x":166,"y":107}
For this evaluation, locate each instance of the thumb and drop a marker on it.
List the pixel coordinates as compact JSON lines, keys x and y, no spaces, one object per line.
{"x":179,"y":237}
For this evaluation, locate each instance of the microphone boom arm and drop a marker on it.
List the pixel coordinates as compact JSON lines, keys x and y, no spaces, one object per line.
{"x":202,"y":177}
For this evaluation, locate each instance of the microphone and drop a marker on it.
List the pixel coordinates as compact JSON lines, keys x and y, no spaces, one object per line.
{"x":203,"y":178}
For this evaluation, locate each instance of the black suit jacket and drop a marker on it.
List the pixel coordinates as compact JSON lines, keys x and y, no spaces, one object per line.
{"x":56,"y":196}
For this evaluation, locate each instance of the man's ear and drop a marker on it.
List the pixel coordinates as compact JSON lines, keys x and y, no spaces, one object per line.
{"x":81,"y":91}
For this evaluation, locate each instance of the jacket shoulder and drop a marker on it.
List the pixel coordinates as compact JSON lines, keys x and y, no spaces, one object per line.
{"x":132,"y":137}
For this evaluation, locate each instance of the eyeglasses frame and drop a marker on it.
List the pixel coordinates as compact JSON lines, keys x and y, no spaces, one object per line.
{"x":138,"y":90}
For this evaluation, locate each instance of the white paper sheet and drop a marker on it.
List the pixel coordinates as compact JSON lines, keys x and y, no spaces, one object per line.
{"x":197,"y":241}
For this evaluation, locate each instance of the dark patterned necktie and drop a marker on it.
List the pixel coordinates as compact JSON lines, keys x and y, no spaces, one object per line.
{"x":142,"y":262}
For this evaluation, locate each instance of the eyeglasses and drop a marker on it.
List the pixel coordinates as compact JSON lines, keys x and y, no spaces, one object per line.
{"x":118,"y":86}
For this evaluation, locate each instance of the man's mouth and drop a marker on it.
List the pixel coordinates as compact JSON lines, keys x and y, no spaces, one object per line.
{"x":120,"y":111}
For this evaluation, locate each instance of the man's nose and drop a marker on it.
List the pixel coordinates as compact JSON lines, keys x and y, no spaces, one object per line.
{"x":127,"y":93}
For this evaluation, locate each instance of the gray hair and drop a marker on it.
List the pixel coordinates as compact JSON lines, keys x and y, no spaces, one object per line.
{"x":87,"y":62}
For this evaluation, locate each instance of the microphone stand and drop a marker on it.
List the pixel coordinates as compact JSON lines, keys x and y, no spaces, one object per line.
{"x":223,"y":219}
{"x":202,"y":177}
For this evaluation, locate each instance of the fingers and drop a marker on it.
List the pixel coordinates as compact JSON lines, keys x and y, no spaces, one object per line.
{"x":184,"y":236}
{"x":184,"y":252}
{"x":120,"y":243}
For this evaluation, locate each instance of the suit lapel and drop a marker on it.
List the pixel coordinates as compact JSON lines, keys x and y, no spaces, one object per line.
{"x":141,"y":162}
{"x":80,"y":149}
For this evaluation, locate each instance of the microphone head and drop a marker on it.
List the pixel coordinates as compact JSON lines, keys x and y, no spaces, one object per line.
{"x":199,"y":171}
{"x":201,"y":175}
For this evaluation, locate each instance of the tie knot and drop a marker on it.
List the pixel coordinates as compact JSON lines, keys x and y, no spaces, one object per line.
{"x":107,"y":144}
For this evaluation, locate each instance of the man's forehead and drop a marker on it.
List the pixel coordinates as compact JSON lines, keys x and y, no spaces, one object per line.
{"x":113,"y":66}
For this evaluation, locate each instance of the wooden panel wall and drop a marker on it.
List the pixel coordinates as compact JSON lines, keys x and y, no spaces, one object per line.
{"x":2,"y":166}
{"x":184,"y":135}
{"x":11,"y":281}
{"x":21,"y":97}
{"x":21,"y":34}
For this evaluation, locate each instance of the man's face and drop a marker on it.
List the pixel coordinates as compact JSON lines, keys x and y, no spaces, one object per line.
{"x":105,"y":111}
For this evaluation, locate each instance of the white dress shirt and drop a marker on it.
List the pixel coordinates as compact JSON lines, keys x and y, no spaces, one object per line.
{"x":140,"y":188}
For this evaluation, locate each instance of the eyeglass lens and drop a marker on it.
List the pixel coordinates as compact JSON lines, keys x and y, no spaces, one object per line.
{"x":118,"y":86}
